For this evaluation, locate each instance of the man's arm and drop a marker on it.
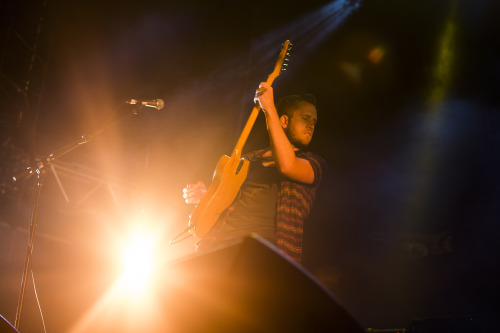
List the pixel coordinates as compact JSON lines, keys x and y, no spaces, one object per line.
{"x":287,"y":163}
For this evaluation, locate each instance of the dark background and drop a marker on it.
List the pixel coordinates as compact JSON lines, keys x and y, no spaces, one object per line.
{"x":406,"y":223}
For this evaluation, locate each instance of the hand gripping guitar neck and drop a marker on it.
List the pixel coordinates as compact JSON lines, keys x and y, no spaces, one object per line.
{"x":231,"y":171}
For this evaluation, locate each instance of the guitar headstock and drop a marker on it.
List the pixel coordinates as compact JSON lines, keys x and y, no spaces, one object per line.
{"x":282,"y":62}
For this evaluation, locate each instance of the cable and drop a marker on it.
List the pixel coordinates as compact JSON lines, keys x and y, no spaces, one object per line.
{"x":38,"y":301}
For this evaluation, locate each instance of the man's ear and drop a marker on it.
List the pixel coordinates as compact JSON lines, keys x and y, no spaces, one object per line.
{"x":284,"y":121}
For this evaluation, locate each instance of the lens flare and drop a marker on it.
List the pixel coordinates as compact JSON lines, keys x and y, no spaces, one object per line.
{"x":138,"y":263}
{"x":376,"y":55}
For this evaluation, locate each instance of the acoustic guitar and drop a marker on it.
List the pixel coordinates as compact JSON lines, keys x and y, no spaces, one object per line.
{"x":231,"y":171}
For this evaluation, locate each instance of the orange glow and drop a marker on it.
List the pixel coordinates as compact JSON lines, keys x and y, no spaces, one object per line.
{"x":130,"y":299}
{"x":138,"y":263}
{"x":376,"y":55}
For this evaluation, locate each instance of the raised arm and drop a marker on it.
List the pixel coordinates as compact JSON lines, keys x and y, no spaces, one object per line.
{"x":287,"y":163}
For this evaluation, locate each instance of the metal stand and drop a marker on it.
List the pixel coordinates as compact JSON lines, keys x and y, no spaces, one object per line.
{"x":34,"y":216}
{"x":178,"y":239}
{"x":36,"y":170}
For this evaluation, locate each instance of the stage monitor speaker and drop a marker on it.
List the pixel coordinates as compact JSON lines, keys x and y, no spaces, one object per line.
{"x":248,"y":287}
{"x":459,"y":324}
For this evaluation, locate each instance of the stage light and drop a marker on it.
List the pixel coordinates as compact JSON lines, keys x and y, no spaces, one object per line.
{"x":427,"y":152}
{"x":131,"y":298}
{"x":138,"y":260}
{"x":443,"y":69}
{"x":308,"y":31}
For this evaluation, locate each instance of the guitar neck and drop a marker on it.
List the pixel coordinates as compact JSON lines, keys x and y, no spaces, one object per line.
{"x":256,"y":109}
{"x":246,"y":131}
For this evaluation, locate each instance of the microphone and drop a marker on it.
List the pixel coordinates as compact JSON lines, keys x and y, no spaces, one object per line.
{"x":154,"y":103}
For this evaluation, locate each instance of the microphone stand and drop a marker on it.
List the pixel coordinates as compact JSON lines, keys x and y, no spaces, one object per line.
{"x":36,"y":169}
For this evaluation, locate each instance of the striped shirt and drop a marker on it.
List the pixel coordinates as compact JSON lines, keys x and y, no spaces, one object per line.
{"x":293,"y":206}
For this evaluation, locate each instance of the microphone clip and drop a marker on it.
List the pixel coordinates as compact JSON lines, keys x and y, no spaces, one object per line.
{"x":154,"y":103}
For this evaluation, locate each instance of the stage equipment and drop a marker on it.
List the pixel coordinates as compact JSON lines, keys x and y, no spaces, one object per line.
{"x":459,"y":324}
{"x":154,"y":103}
{"x":248,"y":287}
{"x":5,"y":326}
{"x":36,"y":170}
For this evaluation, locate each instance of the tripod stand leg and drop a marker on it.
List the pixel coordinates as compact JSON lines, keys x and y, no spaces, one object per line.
{"x":28,"y":253}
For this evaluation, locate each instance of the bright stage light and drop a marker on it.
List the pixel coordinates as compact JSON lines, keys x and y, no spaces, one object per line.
{"x":138,"y":260}
{"x":131,"y":299}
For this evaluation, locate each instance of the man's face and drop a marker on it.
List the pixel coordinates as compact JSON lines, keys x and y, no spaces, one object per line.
{"x":300,"y":127}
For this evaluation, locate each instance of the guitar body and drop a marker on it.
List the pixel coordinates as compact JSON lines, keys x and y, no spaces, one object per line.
{"x":229,"y":175}
{"x":231,"y":171}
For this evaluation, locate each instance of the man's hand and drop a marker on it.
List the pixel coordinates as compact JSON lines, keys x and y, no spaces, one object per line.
{"x":193,"y":193}
{"x":287,"y":163}
{"x":265,"y":97}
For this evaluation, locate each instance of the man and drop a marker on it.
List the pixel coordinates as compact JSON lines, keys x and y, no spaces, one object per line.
{"x":278,"y":193}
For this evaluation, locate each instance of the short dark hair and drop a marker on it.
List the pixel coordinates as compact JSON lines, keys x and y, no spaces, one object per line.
{"x":288,"y":104}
